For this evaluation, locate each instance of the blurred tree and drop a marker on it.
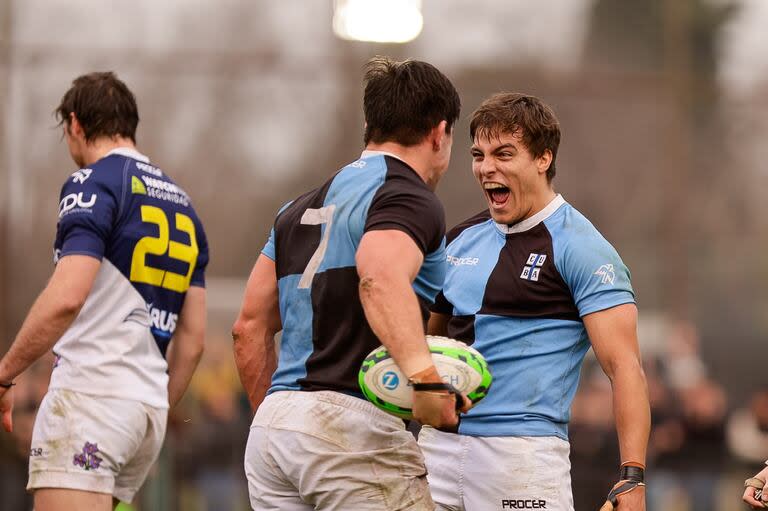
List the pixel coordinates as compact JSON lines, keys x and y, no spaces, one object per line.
{"x":5,"y":77}
{"x":677,"y":40}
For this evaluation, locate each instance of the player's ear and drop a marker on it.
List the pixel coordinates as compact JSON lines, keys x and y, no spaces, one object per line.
{"x":74,"y":126}
{"x":544,"y":161}
{"x":438,"y":136}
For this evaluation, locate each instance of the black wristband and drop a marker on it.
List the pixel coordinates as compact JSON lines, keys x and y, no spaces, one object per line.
{"x":7,"y":385}
{"x":632,"y":473}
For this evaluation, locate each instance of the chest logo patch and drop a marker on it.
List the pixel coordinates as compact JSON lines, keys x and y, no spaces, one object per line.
{"x":532,"y":267}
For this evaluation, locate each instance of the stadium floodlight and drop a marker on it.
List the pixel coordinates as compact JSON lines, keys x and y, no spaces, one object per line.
{"x":381,"y":21}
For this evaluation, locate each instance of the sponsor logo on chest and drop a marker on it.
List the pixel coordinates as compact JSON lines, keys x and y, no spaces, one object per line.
{"x":533,"y":266}
{"x":462,"y":261}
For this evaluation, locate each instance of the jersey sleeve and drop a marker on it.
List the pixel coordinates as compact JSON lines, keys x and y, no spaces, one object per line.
{"x":198,"y":275}
{"x":88,"y":209}
{"x":596,"y":275}
{"x":269,"y":247}
{"x":415,"y":211}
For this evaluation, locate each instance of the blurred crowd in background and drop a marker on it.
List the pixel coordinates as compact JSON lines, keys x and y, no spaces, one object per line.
{"x":663,"y":106}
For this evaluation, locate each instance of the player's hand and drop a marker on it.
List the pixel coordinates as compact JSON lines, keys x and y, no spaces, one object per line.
{"x":6,"y":409}
{"x":629,"y":493}
{"x":632,"y":501}
{"x":436,"y":408}
{"x":749,"y":492}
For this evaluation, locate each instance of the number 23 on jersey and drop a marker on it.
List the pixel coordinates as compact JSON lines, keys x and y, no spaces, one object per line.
{"x":163,"y":245}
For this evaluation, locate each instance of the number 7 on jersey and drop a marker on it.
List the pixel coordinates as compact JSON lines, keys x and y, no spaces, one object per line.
{"x":319,"y":216}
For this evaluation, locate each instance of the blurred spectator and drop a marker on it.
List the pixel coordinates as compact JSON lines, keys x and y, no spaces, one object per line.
{"x":14,"y":448}
{"x":748,"y":431}
{"x":211,"y":432}
{"x":594,"y":444}
{"x":690,"y":448}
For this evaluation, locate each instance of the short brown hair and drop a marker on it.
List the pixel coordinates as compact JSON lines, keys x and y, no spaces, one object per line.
{"x":403,"y":101}
{"x":512,"y":112}
{"x":103,"y":105}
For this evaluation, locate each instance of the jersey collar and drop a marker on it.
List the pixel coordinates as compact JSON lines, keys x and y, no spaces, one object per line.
{"x":128,"y":153}
{"x":533,"y":221}
{"x":368,"y":153}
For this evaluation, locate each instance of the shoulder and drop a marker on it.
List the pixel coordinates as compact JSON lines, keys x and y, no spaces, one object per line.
{"x":577,"y":244}
{"x":570,"y":228}
{"x":472,"y":221}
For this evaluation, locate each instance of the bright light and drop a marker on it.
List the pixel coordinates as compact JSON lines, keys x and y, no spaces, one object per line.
{"x":381,"y":21}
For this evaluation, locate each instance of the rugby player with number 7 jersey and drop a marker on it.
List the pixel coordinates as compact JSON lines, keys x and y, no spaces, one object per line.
{"x":124,"y":310}
{"x":348,"y":266}
{"x":530,"y":284}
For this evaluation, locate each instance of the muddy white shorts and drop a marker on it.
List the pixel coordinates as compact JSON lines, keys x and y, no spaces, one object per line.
{"x":94,"y":443}
{"x":329,"y":451}
{"x":497,"y":473}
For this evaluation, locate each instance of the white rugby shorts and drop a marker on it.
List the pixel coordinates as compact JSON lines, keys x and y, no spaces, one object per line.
{"x":497,"y":473}
{"x":330,"y":451}
{"x":94,"y":443}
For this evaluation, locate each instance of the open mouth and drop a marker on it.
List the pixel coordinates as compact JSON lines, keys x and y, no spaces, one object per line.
{"x":497,"y":193}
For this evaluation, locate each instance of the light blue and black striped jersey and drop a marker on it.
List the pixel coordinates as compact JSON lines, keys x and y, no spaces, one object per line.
{"x":518,"y":294}
{"x":313,"y":243}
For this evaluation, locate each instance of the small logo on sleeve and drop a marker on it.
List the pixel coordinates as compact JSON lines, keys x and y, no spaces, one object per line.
{"x":532,"y":267}
{"x":606,"y":273}
{"x":76,"y":203}
{"x":88,"y":458}
{"x":81,"y":175}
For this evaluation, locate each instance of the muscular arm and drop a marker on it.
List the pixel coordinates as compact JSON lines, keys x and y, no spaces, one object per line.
{"x":187,"y":346}
{"x":53,"y":312}
{"x":613,"y":333}
{"x":387,"y":263}
{"x":255,"y":329}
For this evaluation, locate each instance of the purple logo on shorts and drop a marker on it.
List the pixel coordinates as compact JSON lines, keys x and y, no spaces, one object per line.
{"x":88,"y":459}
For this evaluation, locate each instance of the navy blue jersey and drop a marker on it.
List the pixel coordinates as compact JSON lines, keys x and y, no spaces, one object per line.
{"x":130,"y":215}
{"x":313,"y":243}
{"x":517,"y":294}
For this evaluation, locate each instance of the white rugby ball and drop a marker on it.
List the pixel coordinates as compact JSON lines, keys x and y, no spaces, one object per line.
{"x":385,"y":386}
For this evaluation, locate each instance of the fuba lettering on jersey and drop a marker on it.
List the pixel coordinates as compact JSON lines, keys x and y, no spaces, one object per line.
{"x":523,"y":504}
{"x":76,"y":200}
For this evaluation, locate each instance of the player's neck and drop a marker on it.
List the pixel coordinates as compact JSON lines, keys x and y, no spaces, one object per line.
{"x":415,"y":156}
{"x":542,"y":200}
{"x":100,"y":147}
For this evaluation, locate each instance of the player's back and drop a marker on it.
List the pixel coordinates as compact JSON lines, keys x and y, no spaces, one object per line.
{"x":314,"y":241}
{"x":141,"y":225}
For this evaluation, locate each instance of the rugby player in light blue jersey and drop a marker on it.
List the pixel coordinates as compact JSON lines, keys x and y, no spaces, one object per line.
{"x":130,"y":255}
{"x":531,"y":284}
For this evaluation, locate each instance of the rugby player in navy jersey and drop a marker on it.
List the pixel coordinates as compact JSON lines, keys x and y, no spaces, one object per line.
{"x":348,"y":266}
{"x":531,"y":284}
{"x":130,"y":255}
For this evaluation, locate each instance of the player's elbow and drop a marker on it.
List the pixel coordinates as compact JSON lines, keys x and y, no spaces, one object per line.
{"x":69,"y":305}
{"x":627,"y":366}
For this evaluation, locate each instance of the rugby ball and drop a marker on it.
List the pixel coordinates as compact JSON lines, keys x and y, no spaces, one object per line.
{"x":385,"y":386}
